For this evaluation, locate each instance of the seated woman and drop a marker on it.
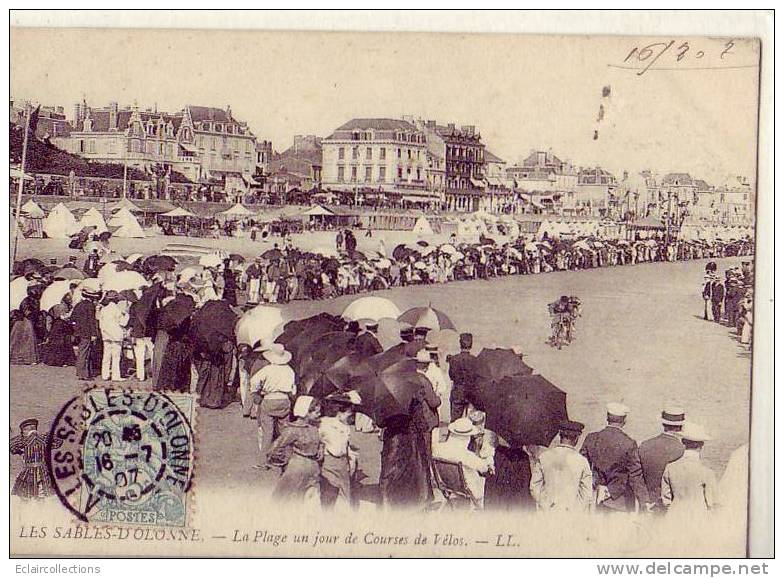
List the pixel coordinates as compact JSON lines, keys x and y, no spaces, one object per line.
{"x":299,"y":451}
{"x":58,"y":349}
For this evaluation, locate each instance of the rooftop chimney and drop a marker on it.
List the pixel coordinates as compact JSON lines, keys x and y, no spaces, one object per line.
{"x":113,"y":108}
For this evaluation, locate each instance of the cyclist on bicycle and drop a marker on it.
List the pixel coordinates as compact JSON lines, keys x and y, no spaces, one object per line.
{"x":561,"y":320}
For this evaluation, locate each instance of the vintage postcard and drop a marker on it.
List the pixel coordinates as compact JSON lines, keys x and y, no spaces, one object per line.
{"x":381,"y":294}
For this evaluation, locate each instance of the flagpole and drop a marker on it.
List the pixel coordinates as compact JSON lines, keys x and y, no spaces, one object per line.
{"x":21,"y":182}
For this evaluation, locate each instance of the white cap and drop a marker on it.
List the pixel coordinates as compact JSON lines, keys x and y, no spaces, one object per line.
{"x":694,"y":432}
{"x":617,"y":409}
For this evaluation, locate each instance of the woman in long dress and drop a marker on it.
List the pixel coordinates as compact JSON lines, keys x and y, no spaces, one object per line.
{"x":299,"y":451}
{"x":215,"y":368}
{"x":24,"y":345}
{"x":58,"y":349}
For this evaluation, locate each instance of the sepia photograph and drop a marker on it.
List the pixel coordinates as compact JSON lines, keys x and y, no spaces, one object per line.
{"x":389,"y":293}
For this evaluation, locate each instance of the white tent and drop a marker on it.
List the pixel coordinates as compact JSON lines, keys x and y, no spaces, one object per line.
{"x":33,"y":210}
{"x":422,"y":227}
{"x":122,"y":217}
{"x":93,"y":218}
{"x":178,"y":212}
{"x":130,"y":230}
{"x":123,"y":204}
{"x":318,"y":211}
{"x":60,"y":223}
{"x":238,"y":211}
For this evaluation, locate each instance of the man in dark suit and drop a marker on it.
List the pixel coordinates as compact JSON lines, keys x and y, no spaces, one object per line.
{"x":615,"y":463}
{"x":661,"y":450}
{"x":462,"y":369}
{"x":717,"y":298}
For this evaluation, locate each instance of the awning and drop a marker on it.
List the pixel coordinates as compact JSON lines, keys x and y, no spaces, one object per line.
{"x":477,"y":184}
{"x":495,"y":181}
{"x":189,"y":148}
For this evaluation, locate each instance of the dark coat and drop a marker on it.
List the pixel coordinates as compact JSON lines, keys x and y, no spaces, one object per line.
{"x":84,"y":320}
{"x":424,"y":407}
{"x":462,"y":370}
{"x":655,"y":454}
{"x":615,"y":463}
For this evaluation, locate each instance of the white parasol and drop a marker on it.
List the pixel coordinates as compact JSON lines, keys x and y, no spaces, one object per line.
{"x":371,"y":308}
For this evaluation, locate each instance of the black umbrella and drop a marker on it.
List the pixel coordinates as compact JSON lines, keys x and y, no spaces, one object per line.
{"x":523,"y":409}
{"x":212,"y":325}
{"x":237,"y":258}
{"x":388,"y":393}
{"x":272,"y":254}
{"x":159,"y":263}
{"x":323,"y":351}
{"x":496,"y":364}
{"x":401,"y":252}
{"x":423,"y":243}
{"x":175,"y":312}
{"x":30,"y":266}
{"x":121,"y":265}
{"x":335,"y":377}
{"x":297,"y":335}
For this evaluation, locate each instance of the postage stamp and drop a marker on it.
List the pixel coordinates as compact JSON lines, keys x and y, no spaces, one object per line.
{"x":124,"y":456}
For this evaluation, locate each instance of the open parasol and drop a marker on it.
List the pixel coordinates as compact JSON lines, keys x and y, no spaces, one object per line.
{"x":262,"y":323}
{"x":371,"y":308}
{"x":433,"y":319}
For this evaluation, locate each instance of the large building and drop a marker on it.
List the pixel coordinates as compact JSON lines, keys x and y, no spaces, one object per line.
{"x":376,"y":155}
{"x":205,"y":144}
{"x":458,"y":163}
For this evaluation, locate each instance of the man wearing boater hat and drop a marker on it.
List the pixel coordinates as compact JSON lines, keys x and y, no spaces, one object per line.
{"x":615,"y":463}
{"x":687,"y":483}
{"x":661,"y":450}
{"x":561,"y":478}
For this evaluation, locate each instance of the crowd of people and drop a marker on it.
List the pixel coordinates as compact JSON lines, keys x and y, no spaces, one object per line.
{"x":285,"y":273}
{"x":731,"y":300}
{"x":177,"y":329}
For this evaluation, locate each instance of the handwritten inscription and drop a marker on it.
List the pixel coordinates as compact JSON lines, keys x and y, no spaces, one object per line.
{"x":684,"y":55}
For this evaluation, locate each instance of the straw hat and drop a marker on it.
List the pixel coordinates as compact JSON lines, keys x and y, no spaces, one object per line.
{"x":463,"y":427}
{"x":277,"y":355}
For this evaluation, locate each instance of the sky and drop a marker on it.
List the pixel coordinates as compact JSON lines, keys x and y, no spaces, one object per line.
{"x":696,"y":114}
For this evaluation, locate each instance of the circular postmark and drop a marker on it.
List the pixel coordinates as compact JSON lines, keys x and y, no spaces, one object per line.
{"x":123,"y":456}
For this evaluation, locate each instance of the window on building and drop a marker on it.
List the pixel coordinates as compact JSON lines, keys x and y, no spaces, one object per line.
{"x":399,"y":153}
{"x":369,"y":153}
{"x":368,"y":174}
{"x":355,"y":153}
{"x":419,"y":174}
{"x":341,"y":173}
{"x":409,"y":154}
{"x":353,"y":174}
{"x":382,"y":153}
{"x":112,"y":146}
{"x":91,"y":146}
{"x":400,"y":172}
{"x":213,"y":143}
{"x":341,"y":153}
{"x":382,"y":173}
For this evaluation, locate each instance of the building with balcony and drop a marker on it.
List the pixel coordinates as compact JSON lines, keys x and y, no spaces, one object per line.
{"x":376,"y":155}
{"x":205,"y":144}
{"x":458,"y":163}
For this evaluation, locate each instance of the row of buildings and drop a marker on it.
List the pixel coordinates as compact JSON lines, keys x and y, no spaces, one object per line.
{"x":405,"y":162}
